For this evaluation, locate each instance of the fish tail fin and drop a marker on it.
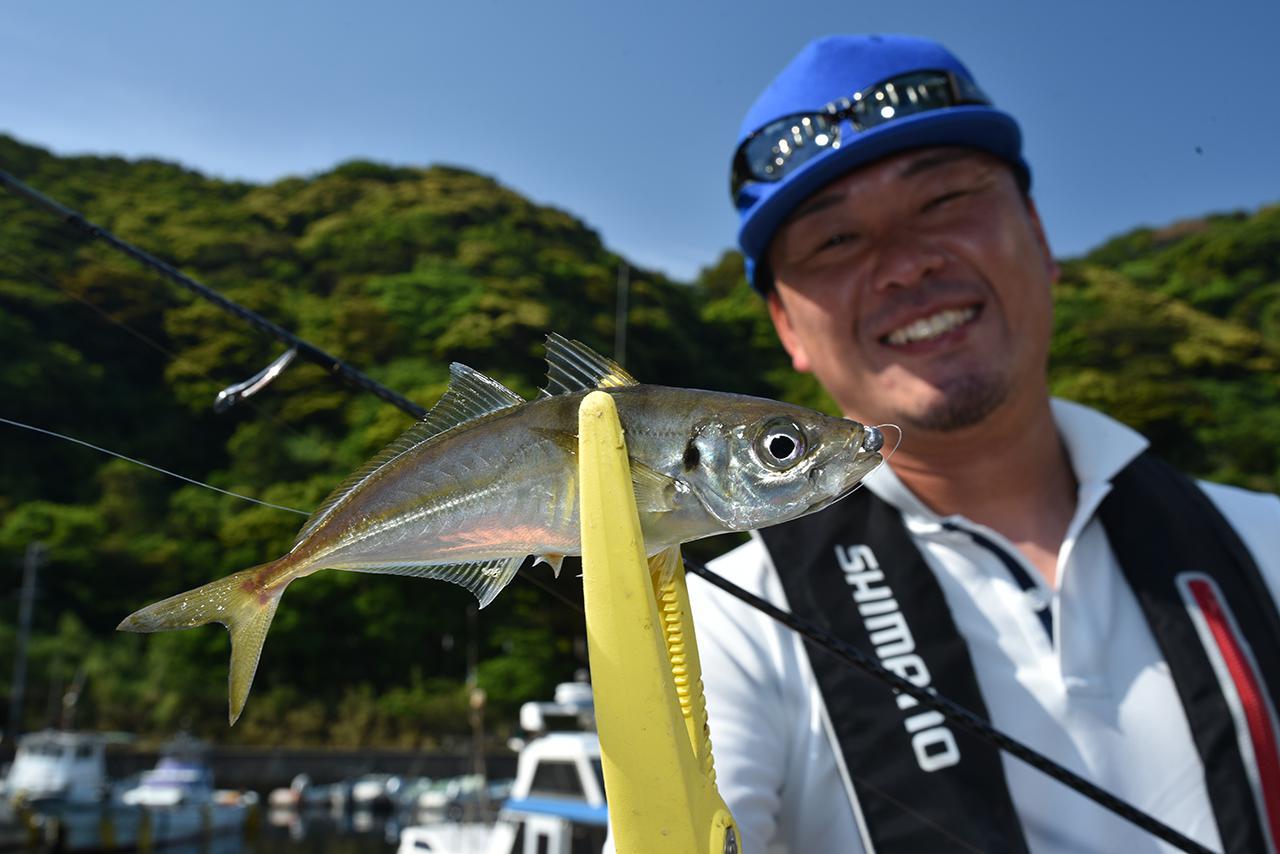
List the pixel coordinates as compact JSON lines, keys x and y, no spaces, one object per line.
{"x":242,"y":602}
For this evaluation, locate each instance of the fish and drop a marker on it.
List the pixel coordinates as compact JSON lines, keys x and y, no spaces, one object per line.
{"x":488,"y":478}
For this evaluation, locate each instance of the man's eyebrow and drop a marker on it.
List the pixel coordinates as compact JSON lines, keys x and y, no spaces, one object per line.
{"x":914,"y":167}
{"x":933,"y":160}
{"x":816,"y":204}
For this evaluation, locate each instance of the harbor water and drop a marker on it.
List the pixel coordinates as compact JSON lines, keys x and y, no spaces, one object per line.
{"x":319,"y":832}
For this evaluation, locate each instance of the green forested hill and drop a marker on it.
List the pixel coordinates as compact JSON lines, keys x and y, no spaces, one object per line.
{"x":1176,"y":331}
{"x":400,"y":271}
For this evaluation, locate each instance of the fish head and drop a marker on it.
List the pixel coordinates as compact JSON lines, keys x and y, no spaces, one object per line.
{"x":754,"y":463}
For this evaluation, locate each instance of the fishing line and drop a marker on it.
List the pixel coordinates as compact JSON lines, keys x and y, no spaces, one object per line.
{"x":332,"y":365}
{"x":951,"y":711}
{"x":896,"y":444}
{"x":934,"y":825}
{"x":851,"y":655}
{"x":149,"y":466}
{"x":526,"y":576}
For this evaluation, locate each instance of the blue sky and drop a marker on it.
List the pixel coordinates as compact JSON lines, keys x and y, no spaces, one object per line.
{"x":626,"y":114}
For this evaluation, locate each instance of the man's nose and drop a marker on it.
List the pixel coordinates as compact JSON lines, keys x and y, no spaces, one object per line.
{"x":903,"y":260}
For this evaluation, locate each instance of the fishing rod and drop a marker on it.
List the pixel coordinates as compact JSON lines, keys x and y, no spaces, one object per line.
{"x":851,"y":655}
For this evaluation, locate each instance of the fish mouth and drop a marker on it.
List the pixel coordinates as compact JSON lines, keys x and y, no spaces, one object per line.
{"x":865,"y":446}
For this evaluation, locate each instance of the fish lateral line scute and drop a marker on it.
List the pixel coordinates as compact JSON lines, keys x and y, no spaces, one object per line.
{"x":487,"y":478}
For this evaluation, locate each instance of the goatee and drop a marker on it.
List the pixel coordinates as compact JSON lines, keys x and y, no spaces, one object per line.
{"x":965,"y":402}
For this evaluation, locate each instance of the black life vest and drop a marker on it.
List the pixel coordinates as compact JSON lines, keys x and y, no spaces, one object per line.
{"x":855,"y":572}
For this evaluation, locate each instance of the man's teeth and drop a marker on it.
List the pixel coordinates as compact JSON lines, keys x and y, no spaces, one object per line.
{"x":927,"y":328}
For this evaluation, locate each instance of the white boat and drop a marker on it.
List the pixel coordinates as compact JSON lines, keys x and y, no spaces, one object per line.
{"x":557,"y":802}
{"x":59,"y":767}
{"x":175,"y":780}
{"x":480,"y":803}
{"x":177,"y":801}
{"x":292,"y":796}
{"x":410,"y":794}
{"x":375,"y":792}
{"x":433,"y":802}
{"x":68,"y":804}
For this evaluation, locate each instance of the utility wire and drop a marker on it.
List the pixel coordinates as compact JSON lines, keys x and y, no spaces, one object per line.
{"x":103,"y":315}
{"x":833,"y":645}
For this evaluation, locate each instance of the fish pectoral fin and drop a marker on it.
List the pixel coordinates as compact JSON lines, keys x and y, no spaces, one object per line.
{"x":655,"y":491}
{"x":553,"y":561}
{"x":573,"y":366}
{"x":237,"y":602}
{"x":665,"y":563}
{"x":563,"y":439}
{"x":485,"y":579}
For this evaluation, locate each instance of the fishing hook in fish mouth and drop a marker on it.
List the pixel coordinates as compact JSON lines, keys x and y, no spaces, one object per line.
{"x":233,"y":394}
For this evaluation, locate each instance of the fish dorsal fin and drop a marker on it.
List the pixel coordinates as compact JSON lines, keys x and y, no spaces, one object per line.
{"x":470,"y":395}
{"x":573,"y":366}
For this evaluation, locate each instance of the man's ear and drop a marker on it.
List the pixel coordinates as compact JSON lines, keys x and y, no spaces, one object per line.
{"x":786,"y":334}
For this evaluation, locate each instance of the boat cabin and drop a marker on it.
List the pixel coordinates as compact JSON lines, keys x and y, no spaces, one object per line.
{"x":61,"y":766}
{"x":557,"y":803}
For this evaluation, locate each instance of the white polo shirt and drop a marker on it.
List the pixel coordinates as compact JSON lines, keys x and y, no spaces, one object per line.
{"x":1096,"y":697}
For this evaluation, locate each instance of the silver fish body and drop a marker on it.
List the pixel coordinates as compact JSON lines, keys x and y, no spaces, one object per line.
{"x":508,"y":484}
{"x":487,"y":479}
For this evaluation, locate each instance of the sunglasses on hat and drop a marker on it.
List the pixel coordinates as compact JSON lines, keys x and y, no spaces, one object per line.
{"x":776,"y":150}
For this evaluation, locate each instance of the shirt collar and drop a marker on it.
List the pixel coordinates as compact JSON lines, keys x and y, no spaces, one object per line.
{"x":1098,"y":447}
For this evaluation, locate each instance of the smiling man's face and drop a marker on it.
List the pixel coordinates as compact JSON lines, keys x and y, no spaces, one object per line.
{"x":918,"y":290}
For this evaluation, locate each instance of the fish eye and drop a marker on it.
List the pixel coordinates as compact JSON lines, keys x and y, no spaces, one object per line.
{"x":780,"y":444}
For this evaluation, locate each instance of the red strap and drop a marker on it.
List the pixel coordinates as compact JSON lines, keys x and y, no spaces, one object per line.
{"x":1253,"y":701}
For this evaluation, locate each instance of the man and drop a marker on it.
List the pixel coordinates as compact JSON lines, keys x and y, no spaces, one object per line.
{"x":1020,"y":555}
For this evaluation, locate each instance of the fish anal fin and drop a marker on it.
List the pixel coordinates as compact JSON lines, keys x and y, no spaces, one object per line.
{"x":485,"y":579}
{"x":664,"y":564}
{"x":573,"y":366}
{"x":470,"y":395}
{"x":553,"y":561}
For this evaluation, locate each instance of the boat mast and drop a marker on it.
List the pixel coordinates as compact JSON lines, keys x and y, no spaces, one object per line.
{"x":30,"y":569}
